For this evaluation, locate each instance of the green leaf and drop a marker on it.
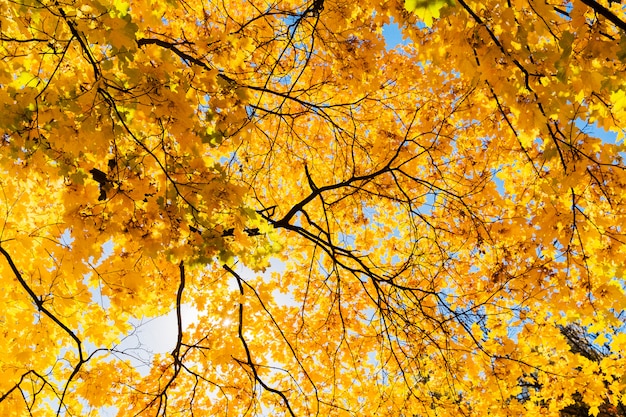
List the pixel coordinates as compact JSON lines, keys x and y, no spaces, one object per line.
{"x":427,"y":10}
{"x":78,"y":177}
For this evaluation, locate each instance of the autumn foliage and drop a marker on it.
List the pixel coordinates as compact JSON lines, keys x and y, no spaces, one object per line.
{"x":435,"y":228}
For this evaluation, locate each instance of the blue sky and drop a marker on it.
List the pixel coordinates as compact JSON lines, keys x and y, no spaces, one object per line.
{"x":392,"y":35}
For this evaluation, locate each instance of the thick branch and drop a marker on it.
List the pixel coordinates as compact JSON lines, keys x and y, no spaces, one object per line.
{"x":179,"y":318}
{"x":603,"y":11}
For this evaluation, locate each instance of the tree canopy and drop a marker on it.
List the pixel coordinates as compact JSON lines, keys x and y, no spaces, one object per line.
{"x":441,"y":223}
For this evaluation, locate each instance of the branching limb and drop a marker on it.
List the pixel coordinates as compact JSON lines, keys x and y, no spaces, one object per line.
{"x":249,"y":361}
{"x":41,"y":307}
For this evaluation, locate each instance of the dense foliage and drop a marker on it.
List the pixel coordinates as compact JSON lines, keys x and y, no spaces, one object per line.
{"x":444,"y":219}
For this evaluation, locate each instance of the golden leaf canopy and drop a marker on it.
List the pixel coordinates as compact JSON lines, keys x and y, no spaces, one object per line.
{"x":430,"y":229}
